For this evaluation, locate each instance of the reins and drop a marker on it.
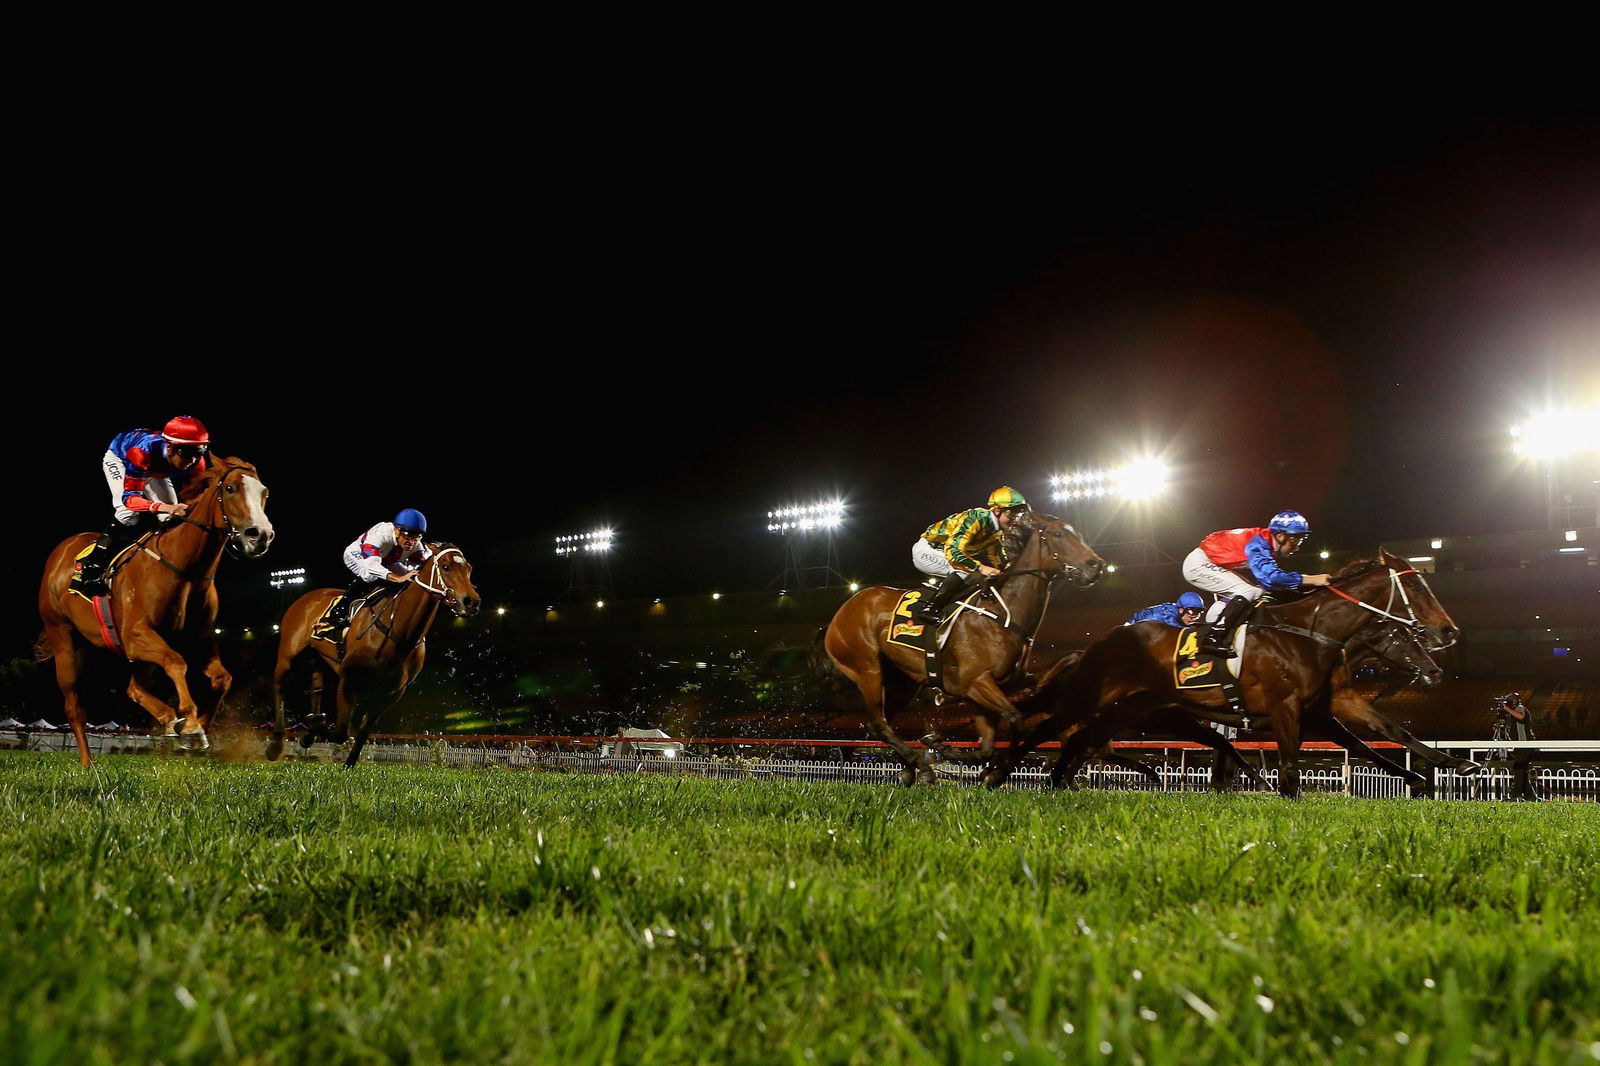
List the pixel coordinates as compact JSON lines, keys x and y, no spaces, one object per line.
{"x":436,"y":594}
{"x":1411,"y":624}
{"x":230,"y":532}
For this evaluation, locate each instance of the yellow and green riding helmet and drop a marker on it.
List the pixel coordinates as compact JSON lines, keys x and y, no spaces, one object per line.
{"x":1006,"y":497}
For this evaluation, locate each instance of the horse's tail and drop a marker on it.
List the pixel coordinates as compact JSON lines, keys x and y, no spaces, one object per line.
{"x":42,"y":651}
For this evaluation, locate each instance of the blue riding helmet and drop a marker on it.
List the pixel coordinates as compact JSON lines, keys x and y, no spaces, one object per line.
{"x":1291,"y":522}
{"x":409,"y":519}
{"x":1191,"y":601}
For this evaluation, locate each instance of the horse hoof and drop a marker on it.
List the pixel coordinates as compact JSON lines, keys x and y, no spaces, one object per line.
{"x":196,"y":741}
{"x":1466,"y":768}
{"x":908,"y":777}
{"x":274,"y":749}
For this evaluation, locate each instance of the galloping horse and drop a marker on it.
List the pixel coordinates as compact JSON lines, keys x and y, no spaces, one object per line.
{"x":1290,"y":673}
{"x":383,"y":652}
{"x":984,"y":655}
{"x":163,"y":602}
{"x":1397,"y":646}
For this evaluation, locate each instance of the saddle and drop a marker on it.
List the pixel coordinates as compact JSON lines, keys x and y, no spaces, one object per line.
{"x":906,"y":630}
{"x":334,"y":632}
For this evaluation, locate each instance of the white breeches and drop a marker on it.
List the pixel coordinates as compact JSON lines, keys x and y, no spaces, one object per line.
{"x":930,"y":560}
{"x":1202,"y":573}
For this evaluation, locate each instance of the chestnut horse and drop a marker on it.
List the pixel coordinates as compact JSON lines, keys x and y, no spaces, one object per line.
{"x":984,"y":656}
{"x":1292,"y":669}
{"x":163,"y":602}
{"x":383,"y":652}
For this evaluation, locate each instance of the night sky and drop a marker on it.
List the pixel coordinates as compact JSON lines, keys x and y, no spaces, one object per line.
{"x":671,"y":333}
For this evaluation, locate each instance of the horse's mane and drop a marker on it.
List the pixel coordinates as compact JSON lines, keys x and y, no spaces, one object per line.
{"x":1356,"y":568}
{"x":1013,"y":540}
{"x":216,"y":466}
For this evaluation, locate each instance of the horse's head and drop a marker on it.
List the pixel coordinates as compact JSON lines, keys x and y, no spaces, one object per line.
{"x":1391,"y":588}
{"x":1400,"y":646}
{"x":1039,"y":541}
{"x":229,"y":498}
{"x":448,"y":575}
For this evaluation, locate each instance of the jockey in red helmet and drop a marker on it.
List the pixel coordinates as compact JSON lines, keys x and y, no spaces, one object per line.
{"x":1223,"y":558}
{"x":389,"y":552}
{"x":144,"y":469}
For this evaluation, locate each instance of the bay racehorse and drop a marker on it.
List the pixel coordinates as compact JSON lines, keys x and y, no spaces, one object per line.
{"x":381,"y":655}
{"x":1396,"y":647}
{"x":162,"y":605}
{"x":1293,"y":666}
{"x":985,"y":654}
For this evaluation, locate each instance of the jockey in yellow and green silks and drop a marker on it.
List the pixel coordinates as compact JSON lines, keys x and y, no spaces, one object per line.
{"x":965,"y":545}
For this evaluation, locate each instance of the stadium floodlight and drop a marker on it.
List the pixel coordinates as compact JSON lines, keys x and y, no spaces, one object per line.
{"x":1143,"y":479}
{"x":804,"y":518}
{"x":295,"y":576}
{"x":598,"y":540}
{"x":1555,"y":434}
{"x":810,"y":557}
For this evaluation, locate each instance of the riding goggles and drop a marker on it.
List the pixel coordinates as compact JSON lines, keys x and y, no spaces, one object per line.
{"x":191,"y":451}
{"x":405,"y":532}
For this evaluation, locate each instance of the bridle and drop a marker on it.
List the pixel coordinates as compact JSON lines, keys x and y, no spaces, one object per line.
{"x":1397,"y":591}
{"x":231,"y":533}
{"x":441,"y":591}
{"x":1050,"y":574}
{"x":1410,"y":653}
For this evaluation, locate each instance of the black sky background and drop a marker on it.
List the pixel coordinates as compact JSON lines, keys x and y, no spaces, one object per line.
{"x":670,"y":323}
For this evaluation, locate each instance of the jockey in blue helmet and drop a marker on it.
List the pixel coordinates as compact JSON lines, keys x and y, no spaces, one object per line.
{"x":1222,"y":561}
{"x":387,"y":553}
{"x":1185,"y":612}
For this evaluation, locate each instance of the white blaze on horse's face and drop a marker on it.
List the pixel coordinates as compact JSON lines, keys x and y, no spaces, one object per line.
{"x":251,"y":528}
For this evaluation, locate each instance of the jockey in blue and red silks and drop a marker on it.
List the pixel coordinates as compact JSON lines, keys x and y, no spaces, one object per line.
{"x":388,"y":552}
{"x":1255,"y":549}
{"x":144,"y":469}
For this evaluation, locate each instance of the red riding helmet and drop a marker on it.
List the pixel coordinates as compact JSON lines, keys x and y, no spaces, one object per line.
{"x":186,"y":429}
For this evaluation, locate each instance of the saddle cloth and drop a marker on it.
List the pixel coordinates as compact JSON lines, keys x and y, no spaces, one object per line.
{"x":1189,"y":671}
{"x":904,"y":629}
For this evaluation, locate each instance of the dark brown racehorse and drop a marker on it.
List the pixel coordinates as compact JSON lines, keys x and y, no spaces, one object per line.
{"x":1397,"y":647}
{"x":163,"y":603}
{"x":383,"y":651}
{"x":1289,"y":675}
{"x":984,"y":657}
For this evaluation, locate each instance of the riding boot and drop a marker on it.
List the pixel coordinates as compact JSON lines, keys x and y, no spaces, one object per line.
{"x":949,"y":590}
{"x":90,"y":578}
{"x":1215,"y":640}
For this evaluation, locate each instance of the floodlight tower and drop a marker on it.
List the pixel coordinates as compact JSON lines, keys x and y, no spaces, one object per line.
{"x":810,"y":558}
{"x":1567,"y":444}
{"x":283,"y":582}
{"x":1096,"y":497}
{"x":588,"y":558}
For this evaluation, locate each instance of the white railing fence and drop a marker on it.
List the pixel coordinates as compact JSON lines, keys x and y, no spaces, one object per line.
{"x":1556,"y":778}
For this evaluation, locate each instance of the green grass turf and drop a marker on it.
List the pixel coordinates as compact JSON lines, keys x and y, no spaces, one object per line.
{"x":193,"y":912}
